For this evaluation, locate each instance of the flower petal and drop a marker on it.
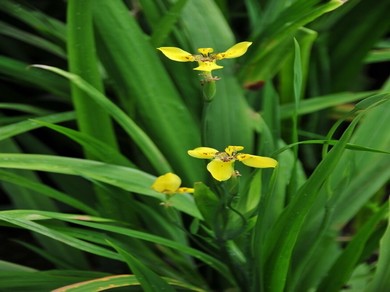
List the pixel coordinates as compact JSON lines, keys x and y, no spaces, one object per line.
{"x":257,"y":161}
{"x":203,"y":152}
{"x":231,"y":149}
{"x":234,"y":52}
{"x":176,"y":54}
{"x":221,"y":170}
{"x":207,"y":66}
{"x":168,"y":183}
{"x":205,"y":51}
{"x":185,"y":190}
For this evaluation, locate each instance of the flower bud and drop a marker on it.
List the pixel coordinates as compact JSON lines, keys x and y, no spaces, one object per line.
{"x":209,"y":90}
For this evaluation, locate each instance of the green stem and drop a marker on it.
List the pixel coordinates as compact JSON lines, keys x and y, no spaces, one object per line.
{"x":205,"y":122}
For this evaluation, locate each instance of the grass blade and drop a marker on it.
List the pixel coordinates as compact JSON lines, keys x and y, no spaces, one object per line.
{"x":43,"y":280}
{"x":98,"y":149}
{"x":12,"y":130}
{"x":91,"y":118}
{"x":133,"y":64}
{"x":148,"y":279}
{"x":17,"y":70}
{"x":322,"y":102}
{"x":58,"y":236}
{"x":285,"y":232}
{"x":22,"y":218}
{"x":166,"y":23}
{"x":381,"y":279}
{"x":101,"y":284}
{"x":11,"y":31}
{"x":45,"y":190}
{"x":142,"y":140}
{"x":123,"y":177}
{"x":346,"y":263}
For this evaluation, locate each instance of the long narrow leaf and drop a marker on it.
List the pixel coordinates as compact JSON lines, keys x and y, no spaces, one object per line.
{"x":285,"y":233}
{"x":381,"y":280}
{"x":345,"y":264}
{"x":74,"y":242}
{"x":45,"y":190}
{"x":22,"y":218}
{"x":148,"y":279}
{"x":101,"y":150}
{"x":144,"y":86}
{"x":91,"y":118}
{"x":123,"y":177}
{"x":11,"y":130}
{"x":144,"y":142}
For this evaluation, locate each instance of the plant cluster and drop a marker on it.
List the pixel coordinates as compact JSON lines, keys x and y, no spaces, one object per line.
{"x":127,"y":164}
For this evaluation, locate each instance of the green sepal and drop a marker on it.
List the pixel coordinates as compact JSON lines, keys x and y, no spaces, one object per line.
{"x":209,"y":90}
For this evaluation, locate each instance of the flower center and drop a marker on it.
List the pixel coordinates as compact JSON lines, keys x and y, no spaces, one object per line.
{"x":224,"y":157}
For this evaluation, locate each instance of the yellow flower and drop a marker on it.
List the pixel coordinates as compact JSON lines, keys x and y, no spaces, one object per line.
{"x":222,"y":165}
{"x":206,"y":59}
{"x":169,"y":184}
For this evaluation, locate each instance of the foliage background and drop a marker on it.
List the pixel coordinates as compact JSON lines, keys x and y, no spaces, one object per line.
{"x":92,"y":146}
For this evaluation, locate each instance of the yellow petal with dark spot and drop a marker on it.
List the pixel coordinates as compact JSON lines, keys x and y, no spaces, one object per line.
{"x":185,"y":190}
{"x":231,"y":149}
{"x":177,"y":54}
{"x":203,"y":152}
{"x":205,"y":51}
{"x":207,"y":66}
{"x":234,"y":52}
{"x":257,"y":161}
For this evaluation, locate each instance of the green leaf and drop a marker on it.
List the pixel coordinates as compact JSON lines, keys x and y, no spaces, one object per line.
{"x":21,"y":281}
{"x":366,"y":35}
{"x":99,"y":150}
{"x":206,"y":201}
{"x":11,"y":130}
{"x":29,"y":198}
{"x":123,"y":177}
{"x":127,"y":178}
{"x":22,"y":218}
{"x":45,"y":190}
{"x":8,"y":266}
{"x":148,"y":279}
{"x":368,"y":171}
{"x":275,"y":36}
{"x":92,"y":119}
{"x":166,"y":23}
{"x":305,"y":38}
{"x":227,"y":119}
{"x":144,"y":142}
{"x":381,"y":280}
{"x":348,"y":260}
{"x":11,"y":31}
{"x":331,"y":142}
{"x":116,"y":281}
{"x":378,"y":56}
{"x":284,"y":234}
{"x":315,"y":104}
{"x":24,"y":108}
{"x":39,"y":21}
{"x":20,"y":71}
{"x":101,"y":284}
{"x":144,"y":86}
